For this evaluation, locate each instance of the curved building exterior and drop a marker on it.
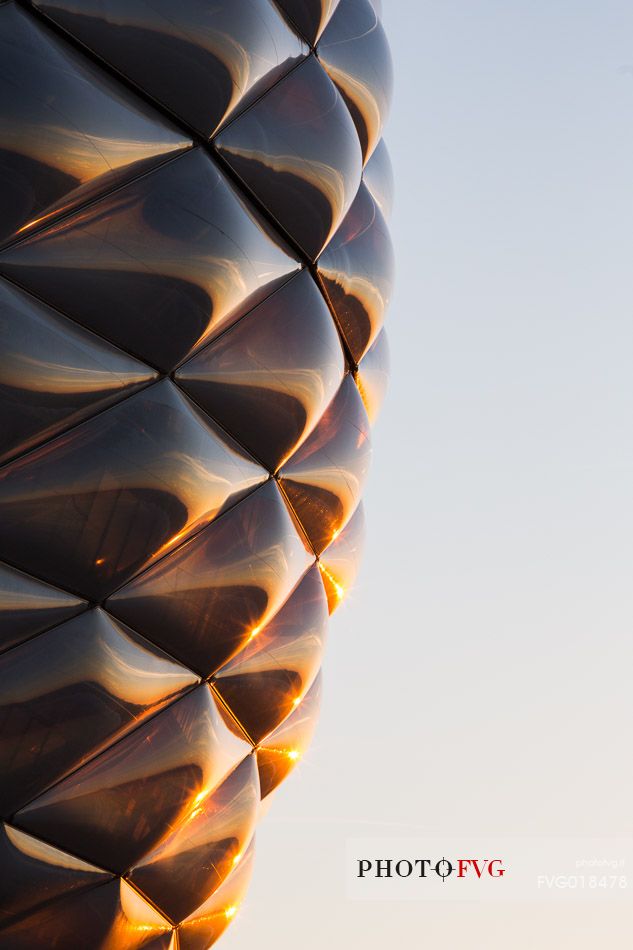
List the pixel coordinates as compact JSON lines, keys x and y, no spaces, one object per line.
{"x":194,"y":273}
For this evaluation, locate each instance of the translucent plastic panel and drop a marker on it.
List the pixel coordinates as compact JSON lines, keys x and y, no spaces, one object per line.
{"x":269,"y":378}
{"x":355,"y":53}
{"x":325,"y":478}
{"x":298,"y":152}
{"x":53,"y":373}
{"x":280,"y":752}
{"x":34,"y":873}
{"x":90,"y":509}
{"x":117,"y":808}
{"x":68,"y":130}
{"x":166,"y":942}
{"x":340,"y":563}
{"x":205,"y":926}
{"x":310,"y":17}
{"x":204,"y":602}
{"x":193,"y":860}
{"x":378,"y":177}
{"x":268,"y":679}
{"x":159,"y":266}
{"x":28,"y":606}
{"x":357,"y":270}
{"x":203,"y":64}
{"x":66,"y":693}
{"x":373,"y":376}
{"x":109,"y":917}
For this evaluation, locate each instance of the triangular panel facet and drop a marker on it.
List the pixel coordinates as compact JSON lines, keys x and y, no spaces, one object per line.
{"x":357,"y":270}
{"x":310,"y":17}
{"x":340,"y":562}
{"x":204,"y":927}
{"x":325,"y":478}
{"x":112,"y":916}
{"x":280,"y":752}
{"x":192,"y":861}
{"x":29,"y":606}
{"x":378,"y":178}
{"x":268,"y":679}
{"x":34,"y":873}
{"x":355,"y":52}
{"x":372,"y":376}
{"x":53,"y":373}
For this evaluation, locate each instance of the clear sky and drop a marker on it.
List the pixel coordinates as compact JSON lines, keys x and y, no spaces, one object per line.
{"x":478,"y":681}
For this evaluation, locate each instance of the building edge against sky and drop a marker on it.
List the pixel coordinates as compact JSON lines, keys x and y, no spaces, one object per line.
{"x":195,"y":268}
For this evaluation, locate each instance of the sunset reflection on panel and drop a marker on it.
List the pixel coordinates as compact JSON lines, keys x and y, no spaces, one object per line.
{"x":194,"y":275}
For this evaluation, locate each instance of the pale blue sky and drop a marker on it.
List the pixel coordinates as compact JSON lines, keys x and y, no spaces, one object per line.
{"x":479,"y":679}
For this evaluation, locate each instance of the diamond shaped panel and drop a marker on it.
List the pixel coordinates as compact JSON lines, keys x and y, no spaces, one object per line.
{"x":67,"y":693}
{"x":117,"y":808}
{"x":297,"y":151}
{"x":207,"y":600}
{"x":68,"y":131}
{"x":268,"y":396}
{"x":94,"y":506}
{"x":158,"y":267}
{"x":204,"y":65}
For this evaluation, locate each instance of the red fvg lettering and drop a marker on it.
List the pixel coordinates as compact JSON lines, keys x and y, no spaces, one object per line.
{"x":494,"y":868}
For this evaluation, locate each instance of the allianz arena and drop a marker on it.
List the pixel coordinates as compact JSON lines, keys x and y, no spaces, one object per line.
{"x":194,"y":273}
